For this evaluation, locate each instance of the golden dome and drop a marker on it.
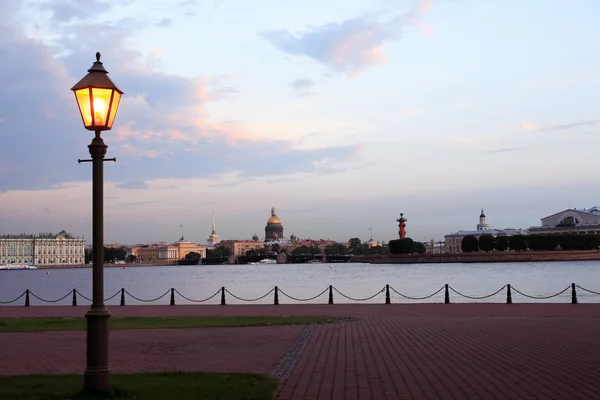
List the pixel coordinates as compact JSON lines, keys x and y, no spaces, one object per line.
{"x":274,"y":219}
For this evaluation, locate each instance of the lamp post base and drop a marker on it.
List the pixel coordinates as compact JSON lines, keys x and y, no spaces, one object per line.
{"x":97,"y":377}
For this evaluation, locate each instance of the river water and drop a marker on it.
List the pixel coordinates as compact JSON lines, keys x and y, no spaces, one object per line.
{"x":304,"y":281}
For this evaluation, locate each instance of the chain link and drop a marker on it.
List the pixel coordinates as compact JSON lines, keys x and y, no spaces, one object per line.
{"x":12,"y":301}
{"x":198,"y":301}
{"x":147,"y":301}
{"x":417,"y":298}
{"x":249,"y":300}
{"x":309,"y":299}
{"x":363,"y":299}
{"x":50,"y":301}
{"x":541,"y":297}
{"x":477,"y":297}
{"x":587,"y":290}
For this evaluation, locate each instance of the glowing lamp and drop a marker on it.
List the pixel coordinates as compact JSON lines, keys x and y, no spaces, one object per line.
{"x":97,"y":98}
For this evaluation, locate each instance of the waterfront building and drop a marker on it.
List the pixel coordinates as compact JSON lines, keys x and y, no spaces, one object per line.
{"x":240,"y":247}
{"x":453,"y":241}
{"x":274,"y":228}
{"x":571,"y":220}
{"x":162,"y":253}
{"x":43,"y":249}
{"x":213,"y":238}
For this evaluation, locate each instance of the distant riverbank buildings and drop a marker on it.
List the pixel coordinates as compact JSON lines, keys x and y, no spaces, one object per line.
{"x":42,"y":249}
{"x":453,"y":241}
{"x":572,"y":220}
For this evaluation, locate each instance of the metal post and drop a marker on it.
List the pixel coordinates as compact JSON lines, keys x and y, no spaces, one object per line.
{"x":172,"y":303}
{"x":223,"y":295}
{"x":276,"y":299}
{"x":573,"y":294}
{"x":387,"y":294}
{"x":27,"y":303}
{"x":74,"y":302}
{"x":122,"y":296}
{"x":330,"y":294}
{"x":508,"y":295}
{"x":446,"y":294}
{"x":97,"y":375}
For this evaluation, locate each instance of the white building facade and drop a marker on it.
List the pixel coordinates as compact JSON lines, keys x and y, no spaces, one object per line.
{"x":453,"y":241}
{"x":572,"y":220}
{"x":44,"y":249}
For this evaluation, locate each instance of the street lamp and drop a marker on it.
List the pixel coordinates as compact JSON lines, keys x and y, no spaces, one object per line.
{"x":98,"y":100}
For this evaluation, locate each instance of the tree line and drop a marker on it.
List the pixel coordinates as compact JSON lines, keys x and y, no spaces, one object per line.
{"x":535,"y":242}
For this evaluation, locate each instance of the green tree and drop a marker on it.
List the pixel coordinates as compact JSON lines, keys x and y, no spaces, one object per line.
{"x":487,"y":242}
{"x":536,"y":242}
{"x":469,"y":244}
{"x":336,"y":249}
{"x":501,"y":243}
{"x":551,"y":242}
{"x":356,"y":247}
{"x":276,"y":248}
{"x":518,"y":242}
{"x":566,"y":241}
{"x":193,"y":256}
{"x":420,"y":248}
{"x":131,"y":258}
{"x":402,"y":246}
{"x":111,"y":254}
{"x":218,"y":252}
{"x":592,"y":242}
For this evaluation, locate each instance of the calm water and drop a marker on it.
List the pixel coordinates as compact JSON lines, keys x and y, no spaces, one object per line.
{"x":308,"y":280}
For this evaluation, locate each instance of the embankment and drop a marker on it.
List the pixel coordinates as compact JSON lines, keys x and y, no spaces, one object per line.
{"x":482,"y":257}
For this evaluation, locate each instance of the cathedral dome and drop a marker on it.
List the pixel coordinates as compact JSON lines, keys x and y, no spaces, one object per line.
{"x":274,"y":220}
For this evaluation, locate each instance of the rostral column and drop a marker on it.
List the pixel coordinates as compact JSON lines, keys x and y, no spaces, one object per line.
{"x":402,"y":226}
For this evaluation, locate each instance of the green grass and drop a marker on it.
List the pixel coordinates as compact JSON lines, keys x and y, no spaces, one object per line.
{"x":156,"y":386}
{"x":77,"y":324}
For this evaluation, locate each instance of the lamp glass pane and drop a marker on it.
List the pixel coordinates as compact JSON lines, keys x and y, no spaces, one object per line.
{"x":101,"y":102}
{"x":83,"y":101}
{"x":114,"y":108}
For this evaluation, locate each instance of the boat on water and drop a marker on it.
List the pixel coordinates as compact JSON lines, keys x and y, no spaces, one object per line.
{"x":314,"y":262}
{"x":263,"y":262}
{"x":7,"y":267}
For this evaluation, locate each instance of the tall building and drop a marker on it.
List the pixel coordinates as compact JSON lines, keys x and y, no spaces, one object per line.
{"x":43,"y":249}
{"x":274,"y":228}
{"x":482,"y":226}
{"x":213,"y":238}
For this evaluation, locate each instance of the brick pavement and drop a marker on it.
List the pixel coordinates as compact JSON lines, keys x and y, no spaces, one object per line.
{"x":421,"y":351}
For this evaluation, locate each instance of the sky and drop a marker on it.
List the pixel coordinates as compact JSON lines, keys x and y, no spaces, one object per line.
{"x":341,"y":114}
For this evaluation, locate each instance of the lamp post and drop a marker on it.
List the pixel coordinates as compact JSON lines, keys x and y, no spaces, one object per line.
{"x":98,"y":100}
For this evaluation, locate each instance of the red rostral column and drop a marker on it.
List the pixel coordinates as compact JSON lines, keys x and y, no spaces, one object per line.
{"x":402,"y":226}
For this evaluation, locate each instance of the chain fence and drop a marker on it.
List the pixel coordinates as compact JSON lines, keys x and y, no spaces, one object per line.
{"x":387,"y":290}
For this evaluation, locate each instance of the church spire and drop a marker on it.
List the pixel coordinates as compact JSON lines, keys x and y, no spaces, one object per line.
{"x":214,"y":226}
{"x":273,"y":211}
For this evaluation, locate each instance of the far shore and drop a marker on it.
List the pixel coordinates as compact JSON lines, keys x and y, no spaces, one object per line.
{"x":475,"y":258}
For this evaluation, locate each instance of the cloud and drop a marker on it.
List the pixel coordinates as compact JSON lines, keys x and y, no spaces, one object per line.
{"x":570,"y":126}
{"x":528,"y":126}
{"x":350,"y":46}
{"x":505,"y":150}
{"x":165,"y":23}
{"x":136,"y":203}
{"x":302,"y":87}
{"x":132,"y":185}
{"x":70,"y":10}
{"x":162,"y":130}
